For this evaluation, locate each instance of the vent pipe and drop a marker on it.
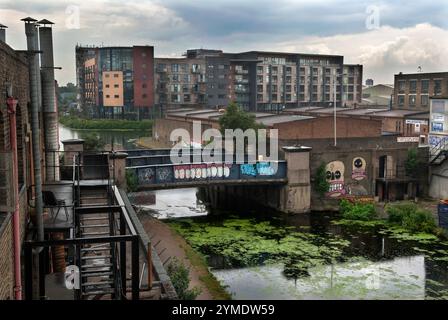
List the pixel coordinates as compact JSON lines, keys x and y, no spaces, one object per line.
{"x":3,"y":32}
{"x":33,"y":58}
{"x":49,"y":112}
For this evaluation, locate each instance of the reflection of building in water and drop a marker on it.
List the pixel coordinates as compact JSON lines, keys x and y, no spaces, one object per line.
{"x":436,"y":278}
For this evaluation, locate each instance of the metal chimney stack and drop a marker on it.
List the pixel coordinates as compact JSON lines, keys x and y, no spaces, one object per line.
{"x":34,"y":75}
{"x":3,"y":32}
{"x":50,"y":116}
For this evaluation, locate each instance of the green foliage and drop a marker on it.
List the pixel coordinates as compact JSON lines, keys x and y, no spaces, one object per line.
{"x":357,"y":211}
{"x":92,"y":142}
{"x":105,"y":124}
{"x":246,"y":242}
{"x":131,"y":180}
{"x":179,"y":275}
{"x":321,"y":184}
{"x":236,"y":118}
{"x":412,"y":163}
{"x":410,"y":217}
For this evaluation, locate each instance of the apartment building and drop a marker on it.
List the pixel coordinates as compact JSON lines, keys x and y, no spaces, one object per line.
{"x":268,"y":81}
{"x":413,"y":91}
{"x":180,"y":82}
{"x":114,"y":80}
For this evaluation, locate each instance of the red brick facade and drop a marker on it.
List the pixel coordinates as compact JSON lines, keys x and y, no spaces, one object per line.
{"x":143,"y":64}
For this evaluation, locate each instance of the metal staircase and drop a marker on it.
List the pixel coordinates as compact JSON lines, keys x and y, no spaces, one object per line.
{"x":97,"y":262}
{"x":439,"y":152}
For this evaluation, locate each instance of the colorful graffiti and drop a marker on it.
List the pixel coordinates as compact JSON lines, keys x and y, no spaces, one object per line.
{"x":201,"y":171}
{"x":164,"y":174}
{"x":146,"y":176}
{"x":359,"y":168}
{"x":258,"y":169}
{"x":335,"y":176}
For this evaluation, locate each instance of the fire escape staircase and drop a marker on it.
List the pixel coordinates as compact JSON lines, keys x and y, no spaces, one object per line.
{"x":439,"y":152}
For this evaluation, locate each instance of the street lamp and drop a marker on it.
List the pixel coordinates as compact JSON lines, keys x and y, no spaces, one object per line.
{"x":334,"y":102}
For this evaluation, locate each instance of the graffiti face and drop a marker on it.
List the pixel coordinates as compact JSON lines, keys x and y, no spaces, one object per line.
{"x":335,"y":177}
{"x":359,"y":169}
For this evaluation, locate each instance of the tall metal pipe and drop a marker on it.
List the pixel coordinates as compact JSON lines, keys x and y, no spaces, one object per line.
{"x":50,"y":116}
{"x":31,"y":34}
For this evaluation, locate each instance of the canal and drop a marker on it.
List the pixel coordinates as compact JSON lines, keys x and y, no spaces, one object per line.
{"x":260,"y":254}
{"x":257,"y":254}
{"x":119,"y":139}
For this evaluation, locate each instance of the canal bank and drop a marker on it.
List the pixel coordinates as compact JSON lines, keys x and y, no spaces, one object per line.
{"x":263,"y":255}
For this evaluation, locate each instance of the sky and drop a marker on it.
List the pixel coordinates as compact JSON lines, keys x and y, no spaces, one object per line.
{"x":387,"y":37}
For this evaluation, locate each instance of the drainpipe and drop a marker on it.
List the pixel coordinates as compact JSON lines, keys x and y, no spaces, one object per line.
{"x":50,"y":116}
{"x":12,"y":103}
{"x":31,"y":35}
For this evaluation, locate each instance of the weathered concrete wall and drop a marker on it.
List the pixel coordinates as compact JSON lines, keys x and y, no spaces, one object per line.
{"x":438,"y":184}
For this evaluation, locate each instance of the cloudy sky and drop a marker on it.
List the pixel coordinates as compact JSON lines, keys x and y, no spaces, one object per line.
{"x":385,"y":36}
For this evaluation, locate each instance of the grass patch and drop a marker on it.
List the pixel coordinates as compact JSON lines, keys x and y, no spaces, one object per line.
{"x":105,"y":124}
{"x":207,"y":278}
{"x":357,"y":211}
{"x":410,"y":217}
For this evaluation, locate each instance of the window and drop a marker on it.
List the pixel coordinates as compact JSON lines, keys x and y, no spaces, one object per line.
{"x":288,"y":97}
{"x":259,"y":69}
{"x":221,"y":96}
{"x":437,"y":87}
{"x":116,"y":86}
{"x":115,"y":75}
{"x":221,"y":86}
{"x":425,"y":86}
{"x":274,"y":97}
{"x":413,"y":85}
{"x":184,"y":67}
{"x":401,"y":100}
{"x":107,"y":86}
{"x":260,"y":79}
{"x":401,"y":85}
{"x":412,"y":98}
{"x":288,"y":88}
{"x":187,"y":98}
{"x":107,"y":96}
{"x":274,"y":78}
{"x":174,"y":67}
{"x":424,"y":100}
{"x":144,"y":66}
{"x":314,"y":88}
{"x":143,"y":54}
{"x":260,"y":88}
{"x":144,"y":96}
{"x":259,"y":97}
{"x":116,"y":96}
{"x":107,"y":75}
{"x":144,"y":85}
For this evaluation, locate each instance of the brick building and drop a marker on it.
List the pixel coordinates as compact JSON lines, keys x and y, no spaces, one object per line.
{"x":13,"y":74}
{"x":413,"y":91}
{"x":133,"y":95}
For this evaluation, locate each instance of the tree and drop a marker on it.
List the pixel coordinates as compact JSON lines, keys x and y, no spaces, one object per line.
{"x":92,"y":142}
{"x":236,"y":118}
{"x":180,"y":277}
{"x":321,"y":184}
{"x":412,"y":163}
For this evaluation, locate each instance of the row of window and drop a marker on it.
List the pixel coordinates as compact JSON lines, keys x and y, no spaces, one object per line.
{"x":314,"y":97}
{"x":424,"y":85}
{"x":424,"y":99}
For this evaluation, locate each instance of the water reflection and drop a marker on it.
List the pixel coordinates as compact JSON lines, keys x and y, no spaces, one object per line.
{"x":176,"y":203}
{"x":400,"y":278}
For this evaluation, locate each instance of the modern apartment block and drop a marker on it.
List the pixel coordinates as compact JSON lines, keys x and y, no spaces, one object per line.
{"x":115,"y":80}
{"x":413,"y":91}
{"x":256,"y":80}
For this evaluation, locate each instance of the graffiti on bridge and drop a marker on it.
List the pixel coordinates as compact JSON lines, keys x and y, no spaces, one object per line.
{"x":146,"y":176}
{"x":258,"y":169}
{"x":201,"y":171}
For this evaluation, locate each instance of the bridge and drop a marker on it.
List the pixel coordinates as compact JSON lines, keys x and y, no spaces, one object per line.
{"x":154,"y":169}
{"x":289,"y":179}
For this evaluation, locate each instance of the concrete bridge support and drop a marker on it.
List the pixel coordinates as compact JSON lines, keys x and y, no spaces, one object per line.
{"x":295,"y":197}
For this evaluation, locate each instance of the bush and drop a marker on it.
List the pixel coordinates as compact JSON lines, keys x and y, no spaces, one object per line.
{"x":131,"y":181}
{"x":105,"y":124}
{"x":92,"y":142}
{"x":357,"y":211}
{"x":179,"y":275}
{"x":411,"y":217}
{"x":321,"y":184}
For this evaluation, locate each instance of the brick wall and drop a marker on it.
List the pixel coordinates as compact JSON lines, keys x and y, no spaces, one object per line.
{"x":6,"y":260}
{"x":322,"y":127}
